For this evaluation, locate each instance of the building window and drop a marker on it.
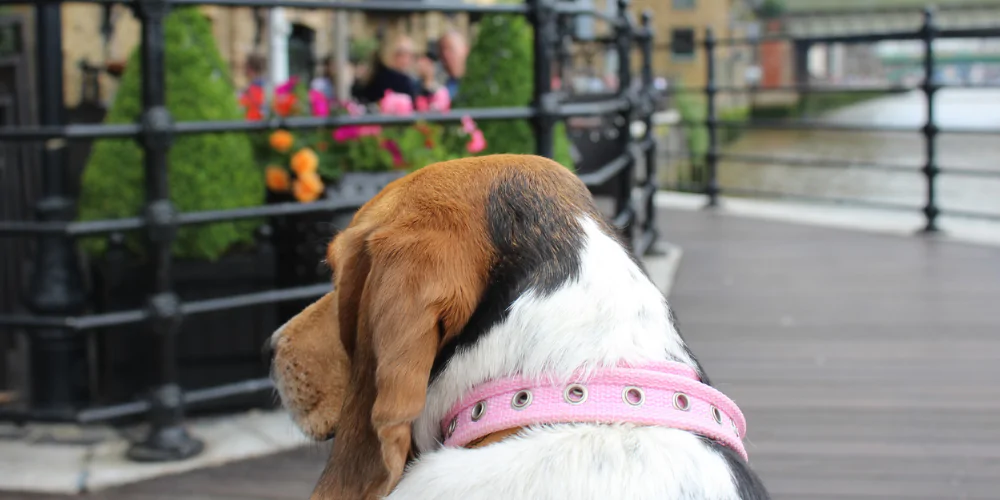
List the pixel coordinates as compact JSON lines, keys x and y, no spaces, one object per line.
{"x":301,"y":50}
{"x":684,"y":4}
{"x":682,"y":43}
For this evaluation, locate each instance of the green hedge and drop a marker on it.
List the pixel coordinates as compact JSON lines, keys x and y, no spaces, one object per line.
{"x":210,"y":171}
{"x":499,"y":74}
{"x":692,"y":108}
{"x":813,"y":104}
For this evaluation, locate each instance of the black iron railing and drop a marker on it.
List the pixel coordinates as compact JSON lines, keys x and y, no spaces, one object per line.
{"x":56,"y":297}
{"x":928,"y":33}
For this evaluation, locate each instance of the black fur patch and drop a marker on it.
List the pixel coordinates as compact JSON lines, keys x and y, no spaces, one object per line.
{"x":748,"y":484}
{"x":537,"y":237}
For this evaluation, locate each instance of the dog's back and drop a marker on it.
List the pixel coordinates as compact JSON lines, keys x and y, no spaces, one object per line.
{"x":510,"y":262}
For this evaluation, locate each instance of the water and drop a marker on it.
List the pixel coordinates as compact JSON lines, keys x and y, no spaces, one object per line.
{"x":965,"y":108}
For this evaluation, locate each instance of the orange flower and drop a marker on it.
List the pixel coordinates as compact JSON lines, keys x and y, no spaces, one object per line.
{"x":276,"y":179}
{"x":282,"y":140}
{"x":304,"y":162}
{"x":307,"y":187}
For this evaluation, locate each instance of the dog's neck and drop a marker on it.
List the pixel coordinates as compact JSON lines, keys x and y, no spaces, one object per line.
{"x":610,"y":313}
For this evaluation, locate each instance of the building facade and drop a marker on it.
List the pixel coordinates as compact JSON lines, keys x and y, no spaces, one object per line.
{"x":96,"y":37}
{"x":680,"y":33}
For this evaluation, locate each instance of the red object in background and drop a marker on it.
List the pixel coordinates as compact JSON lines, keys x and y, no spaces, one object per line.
{"x":284,"y":104}
{"x":115,"y":68}
{"x":773,"y":58}
{"x":253,"y":101}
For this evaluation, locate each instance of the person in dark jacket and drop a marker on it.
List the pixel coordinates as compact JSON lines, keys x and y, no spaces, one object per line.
{"x":391,"y":71}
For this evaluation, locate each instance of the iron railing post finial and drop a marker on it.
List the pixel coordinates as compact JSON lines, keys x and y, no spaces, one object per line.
{"x":624,"y":209}
{"x":167,"y":439}
{"x":711,"y":121}
{"x":649,"y":231}
{"x":930,"y":130}
{"x":58,"y":356}
{"x":543,"y":18}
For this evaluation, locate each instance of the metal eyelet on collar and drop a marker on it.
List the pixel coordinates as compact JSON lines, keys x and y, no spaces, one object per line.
{"x":681,"y":401}
{"x":717,"y":415}
{"x":451,"y":427}
{"x":735,"y":429}
{"x":521,"y":400}
{"x":575,"y":394}
{"x":478,"y":411}
{"x":633,"y":396}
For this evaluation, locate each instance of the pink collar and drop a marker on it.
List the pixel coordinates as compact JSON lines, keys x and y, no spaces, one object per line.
{"x":665,"y":394}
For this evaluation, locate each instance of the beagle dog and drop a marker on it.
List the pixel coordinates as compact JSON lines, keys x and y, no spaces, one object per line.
{"x":488,"y":337}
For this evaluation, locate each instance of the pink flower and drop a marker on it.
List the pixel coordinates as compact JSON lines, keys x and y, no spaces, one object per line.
{"x":423,"y":104}
{"x":348,"y":133}
{"x":367,"y":130}
{"x":393,"y":149}
{"x":354,"y":109}
{"x":351,"y":132}
{"x":468,"y":126}
{"x":320,"y":106}
{"x":477,"y":143}
{"x":287,"y":87}
{"x":440,"y":100}
{"x":396,"y":104}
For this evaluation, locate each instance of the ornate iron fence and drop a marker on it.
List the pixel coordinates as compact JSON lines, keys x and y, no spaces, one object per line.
{"x":56,"y":298}
{"x":927,"y":34}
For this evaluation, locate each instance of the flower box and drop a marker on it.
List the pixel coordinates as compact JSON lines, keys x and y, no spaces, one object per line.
{"x":213,"y":348}
{"x":300,"y":240}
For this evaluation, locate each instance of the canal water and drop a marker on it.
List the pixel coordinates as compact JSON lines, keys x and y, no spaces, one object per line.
{"x":965,"y":108}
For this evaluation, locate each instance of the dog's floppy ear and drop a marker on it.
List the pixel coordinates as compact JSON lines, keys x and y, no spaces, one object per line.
{"x":401,"y":292}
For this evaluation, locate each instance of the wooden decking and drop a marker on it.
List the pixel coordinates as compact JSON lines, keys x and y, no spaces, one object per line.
{"x":867,"y":365}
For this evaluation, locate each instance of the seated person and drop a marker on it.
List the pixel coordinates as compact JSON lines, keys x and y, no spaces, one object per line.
{"x":454,"y":51}
{"x":427,"y":73}
{"x":391,"y":71}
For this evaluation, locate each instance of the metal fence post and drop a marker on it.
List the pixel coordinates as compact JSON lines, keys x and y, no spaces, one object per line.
{"x":58,"y":356}
{"x":649,"y":233}
{"x":167,"y":438}
{"x":564,"y":51}
{"x":623,"y":199}
{"x":930,"y":130}
{"x":543,"y":17}
{"x":711,"y":121}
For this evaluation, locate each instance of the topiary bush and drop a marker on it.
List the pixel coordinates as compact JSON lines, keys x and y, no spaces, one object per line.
{"x":210,"y":171}
{"x":498,"y":74}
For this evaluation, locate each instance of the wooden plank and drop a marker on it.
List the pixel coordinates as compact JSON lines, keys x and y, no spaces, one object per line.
{"x":863,"y":362}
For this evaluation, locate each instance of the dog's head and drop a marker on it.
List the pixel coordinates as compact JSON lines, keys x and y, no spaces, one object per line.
{"x":409,"y":272}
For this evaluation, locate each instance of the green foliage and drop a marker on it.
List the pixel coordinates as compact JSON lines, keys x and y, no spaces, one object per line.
{"x":362,"y":49}
{"x":499,"y":74}
{"x":211,"y":171}
{"x":809,"y":105}
{"x":771,"y":9}
{"x":692,"y":108}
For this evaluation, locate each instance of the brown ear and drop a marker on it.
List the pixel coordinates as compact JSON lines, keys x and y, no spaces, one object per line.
{"x":311,"y":360}
{"x":418,"y":290}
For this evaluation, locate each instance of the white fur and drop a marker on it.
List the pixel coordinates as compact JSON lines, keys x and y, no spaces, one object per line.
{"x":612,"y":313}
{"x":574,"y":462}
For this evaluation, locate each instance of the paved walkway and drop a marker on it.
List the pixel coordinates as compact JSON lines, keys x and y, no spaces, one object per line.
{"x":867,"y":365}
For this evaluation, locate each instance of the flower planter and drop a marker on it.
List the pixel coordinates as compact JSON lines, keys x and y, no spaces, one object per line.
{"x":300,"y":240}
{"x":213,"y":348}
